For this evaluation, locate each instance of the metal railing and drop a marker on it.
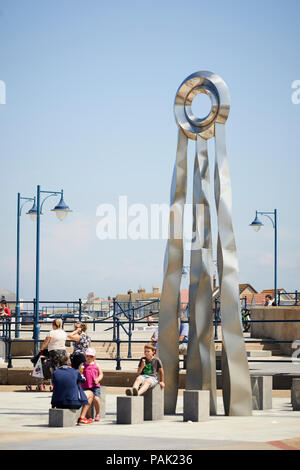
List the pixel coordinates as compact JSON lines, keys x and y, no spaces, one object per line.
{"x":123,"y":317}
{"x":293,"y":300}
{"x":117,"y":314}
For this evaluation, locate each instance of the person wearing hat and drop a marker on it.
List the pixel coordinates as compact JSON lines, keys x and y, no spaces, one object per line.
{"x":93,"y":376}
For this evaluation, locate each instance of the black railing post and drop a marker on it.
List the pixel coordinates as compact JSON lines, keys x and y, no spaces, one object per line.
{"x":80,"y":309}
{"x":129,"y":356}
{"x":35,"y":324}
{"x":9,"y":365}
{"x":33,"y":303}
{"x":118,"y":341}
{"x":114,"y":319}
{"x":133,"y":319}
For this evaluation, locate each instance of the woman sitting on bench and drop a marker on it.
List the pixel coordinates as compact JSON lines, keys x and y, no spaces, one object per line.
{"x":67,"y":392}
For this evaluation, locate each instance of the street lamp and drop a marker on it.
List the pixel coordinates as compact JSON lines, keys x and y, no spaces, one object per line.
{"x":61,"y":210}
{"x":256,"y":225}
{"x":20,"y":206}
{"x":33,"y":212}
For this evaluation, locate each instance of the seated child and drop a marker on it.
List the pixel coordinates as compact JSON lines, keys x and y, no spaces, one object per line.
{"x":150,"y":372}
{"x":93,"y":375}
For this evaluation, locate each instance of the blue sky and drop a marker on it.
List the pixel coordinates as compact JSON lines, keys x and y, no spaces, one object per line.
{"x":89,"y":108}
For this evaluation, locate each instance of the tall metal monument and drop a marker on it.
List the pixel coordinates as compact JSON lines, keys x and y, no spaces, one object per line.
{"x":201,"y":360}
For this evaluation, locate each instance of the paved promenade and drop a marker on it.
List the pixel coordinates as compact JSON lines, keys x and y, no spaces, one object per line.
{"x":24,"y":425}
{"x":24,"y":417}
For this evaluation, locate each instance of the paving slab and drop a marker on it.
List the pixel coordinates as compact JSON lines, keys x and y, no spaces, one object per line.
{"x":24,"y":426}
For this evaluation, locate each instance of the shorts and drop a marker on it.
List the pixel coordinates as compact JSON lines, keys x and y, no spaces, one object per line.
{"x":147,"y":377}
{"x":96,"y":391}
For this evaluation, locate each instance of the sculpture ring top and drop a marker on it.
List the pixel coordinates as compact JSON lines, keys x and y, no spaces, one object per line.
{"x":213,"y":86}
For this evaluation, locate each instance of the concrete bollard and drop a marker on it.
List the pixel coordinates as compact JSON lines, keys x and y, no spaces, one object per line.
{"x":261,"y":392}
{"x":60,"y":418}
{"x":154,"y":403}
{"x":196,"y":405}
{"x":295,"y":394}
{"x":130,"y":410}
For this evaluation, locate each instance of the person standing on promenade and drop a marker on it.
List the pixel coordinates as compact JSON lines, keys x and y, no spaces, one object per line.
{"x":55,"y":342}
{"x":81,"y":344}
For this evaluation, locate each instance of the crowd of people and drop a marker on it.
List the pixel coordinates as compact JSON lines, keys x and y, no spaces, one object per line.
{"x":76,"y":379}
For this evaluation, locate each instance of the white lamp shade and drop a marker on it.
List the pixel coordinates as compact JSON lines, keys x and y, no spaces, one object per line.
{"x":61,"y":215}
{"x":61,"y":209}
{"x":32,"y":216}
{"x":256,"y":224}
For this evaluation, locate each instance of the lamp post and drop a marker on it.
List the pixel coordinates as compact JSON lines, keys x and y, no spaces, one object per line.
{"x":256,"y":225}
{"x":61,"y":210}
{"x":21,"y":201}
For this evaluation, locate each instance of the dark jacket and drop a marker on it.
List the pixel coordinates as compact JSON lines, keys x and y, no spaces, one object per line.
{"x":67,"y":392}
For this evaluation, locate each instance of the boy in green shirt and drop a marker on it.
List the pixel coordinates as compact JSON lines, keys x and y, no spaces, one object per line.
{"x":150,"y":373}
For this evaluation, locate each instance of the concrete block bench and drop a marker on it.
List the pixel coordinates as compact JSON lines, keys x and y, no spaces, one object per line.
{"x":154,"y":403}
{"x":196,"y":405}
{"x":261,"y":392}
{"x":130,"y":410}
{"x":60,"y":418}
{"x":295,"y":394}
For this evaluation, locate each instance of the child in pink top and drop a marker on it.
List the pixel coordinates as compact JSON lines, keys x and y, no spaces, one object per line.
{"x":93,"y":375}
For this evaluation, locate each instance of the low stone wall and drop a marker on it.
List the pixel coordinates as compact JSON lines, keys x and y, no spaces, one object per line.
{"x":277,"y":331}
{"x":22,"y":347}
{"x":112,"y":378}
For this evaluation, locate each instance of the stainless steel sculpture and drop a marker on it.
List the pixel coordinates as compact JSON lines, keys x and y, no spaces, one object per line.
{"x":201,"y":361}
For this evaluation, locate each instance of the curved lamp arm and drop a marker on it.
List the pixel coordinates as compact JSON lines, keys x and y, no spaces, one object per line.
{"x":25,"y":199}
{"x":50,"y":194}
{"x":266,"y":214}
